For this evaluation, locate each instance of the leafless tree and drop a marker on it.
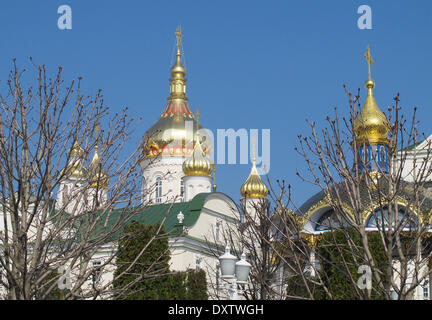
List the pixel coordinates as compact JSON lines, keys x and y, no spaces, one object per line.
{"x":48,"y":133}
{"x":253,"y":236}
{"x":356,"y":197}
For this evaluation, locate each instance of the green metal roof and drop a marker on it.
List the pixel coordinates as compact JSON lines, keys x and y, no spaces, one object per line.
{"x":153,"y":215}
{"x":413,"y":146}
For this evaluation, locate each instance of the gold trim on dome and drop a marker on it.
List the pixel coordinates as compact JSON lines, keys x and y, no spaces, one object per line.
{"x":400,"y":201}
{"x":424,"y":219}
{"x":311,"y":238}
{"x":321,"y":204}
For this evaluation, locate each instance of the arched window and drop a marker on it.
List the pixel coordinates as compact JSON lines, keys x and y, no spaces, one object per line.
{"x":374,"y":158}
{"x":198,"y":263}
{"x":97,"y":273}
{"x":381,"y":218}
{"x":158,"y":191}
{"x":65,"y":194}
{"x":329,"y":221}
{"x":425,"y":286}
{"x":218,"y":229}
{"x":182,"y":190}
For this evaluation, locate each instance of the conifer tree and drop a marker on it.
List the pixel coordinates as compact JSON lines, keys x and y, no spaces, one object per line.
{"x":149,"y":247}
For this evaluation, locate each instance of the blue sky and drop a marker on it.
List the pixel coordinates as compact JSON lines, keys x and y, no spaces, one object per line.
{"x":251,"y":64}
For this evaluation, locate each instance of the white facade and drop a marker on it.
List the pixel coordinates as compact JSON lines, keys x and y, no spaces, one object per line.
{"x":250,"y":208}
{"x":414,"y":166}
{"x":194,"y":185}
{"x":162,"y":179}
{"x":194,"y":250}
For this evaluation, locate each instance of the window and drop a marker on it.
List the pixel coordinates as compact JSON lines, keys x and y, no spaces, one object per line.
{"x":425,"y":286}
{"x":96,"y":273}
{"x":374,"y":157}
{"x":218,"y":275}
{"x":380,"y":218}
{"x":329,"y":220}
{"x":182,"y":190}
{"x":218,"y":229}
{"x":65,"y":194}
{"x":86,"y":202}
{"x":198,"y":263}
{"x":158,"y":192}
{"x":383,"y":158}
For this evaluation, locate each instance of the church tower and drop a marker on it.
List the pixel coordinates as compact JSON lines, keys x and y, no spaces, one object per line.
{"x":370,"y":129}
{"x":169,"y":141}
{"x":99,"y":180}
{"x":70,"y":196}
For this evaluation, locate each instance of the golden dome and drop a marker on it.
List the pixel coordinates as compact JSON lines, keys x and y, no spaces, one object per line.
{"x":254,"y":187}
{"x":371,"y":125}
{"x":174,"y":132}
{"x":100,"y":179}
{"x":75,"y":169}
{"x":76,"y":150}
{"x":198,"y":164}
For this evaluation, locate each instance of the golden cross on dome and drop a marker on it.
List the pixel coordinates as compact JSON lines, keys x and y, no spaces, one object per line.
{"x":253,"y":149}
{"x":369,"y":60}
{"x":97,"y":130}
{"x":179,"y":36}
{"x":197,"y":115}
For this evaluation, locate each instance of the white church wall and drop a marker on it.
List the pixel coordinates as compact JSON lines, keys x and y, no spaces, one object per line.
{"x":195,"y":185}
{"x":169,"y":169}
{"x":414,"y":162}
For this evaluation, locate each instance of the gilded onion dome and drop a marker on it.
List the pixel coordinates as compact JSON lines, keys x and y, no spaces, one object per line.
{"x":100,"y":178}
{"x":198,"y":164}
{"x":75,"y":169}
{"x":174,"y":132}
{"x":76,"y":150}
{"x":77,"y":172}
{"x":371,"y":126}
{"x":254,"y":187}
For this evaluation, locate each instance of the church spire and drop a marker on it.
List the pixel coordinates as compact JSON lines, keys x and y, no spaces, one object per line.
{"x":178,"y":73}
{"x":100,"y":178}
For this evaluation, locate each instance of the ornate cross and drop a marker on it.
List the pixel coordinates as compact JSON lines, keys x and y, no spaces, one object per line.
{"x":179,"y":36}
{"x":369,"y":60}
{"x":253,"y":149}
{"x":197,"y":116}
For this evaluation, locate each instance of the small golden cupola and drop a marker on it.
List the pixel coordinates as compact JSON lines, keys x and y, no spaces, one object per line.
{"x":198,"y":163}
{"x":254,"y":187}
{"x":75,"y":169}
{"x":371,"y":126}
{"x":99,"y":177}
